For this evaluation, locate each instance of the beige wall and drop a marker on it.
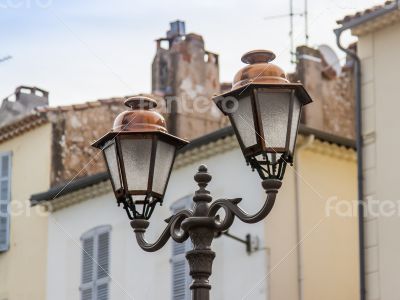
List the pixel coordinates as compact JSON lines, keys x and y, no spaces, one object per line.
{"x":379,"y":52}
{"x":330,"y":240}
{"x":23,"y":266}
{"x":280,"y":231}
{"x":320,"y":261}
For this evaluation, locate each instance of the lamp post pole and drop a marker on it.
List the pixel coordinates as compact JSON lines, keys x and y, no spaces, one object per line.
{"x":201,"y":224}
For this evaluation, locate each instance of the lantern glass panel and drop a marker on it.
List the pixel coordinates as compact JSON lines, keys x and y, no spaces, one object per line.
{"x":110,"y":154}
{"x":242,"y":118}
{"x":274,"y":112}
{"x":136,"y":155}
{"x":273,"y":157}
{"x":163,"y":163}
{"x":295,"y":123}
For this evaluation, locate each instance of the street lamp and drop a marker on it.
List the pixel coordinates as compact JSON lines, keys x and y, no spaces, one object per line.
{"x":139,"y":155}
{"x":264,"y":109}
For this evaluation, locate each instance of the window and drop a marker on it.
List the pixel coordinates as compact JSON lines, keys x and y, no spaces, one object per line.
{"x":95,"y":280}
{"x":181,"y":279}
{"x":5,"y":198}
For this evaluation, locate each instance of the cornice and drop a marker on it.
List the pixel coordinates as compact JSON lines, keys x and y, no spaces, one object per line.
{"x":377,"y":23}
{"x":203,"y":152}
{"x":20,"y":126}
{"x":78,"y":196}
{"x":329,"y":149}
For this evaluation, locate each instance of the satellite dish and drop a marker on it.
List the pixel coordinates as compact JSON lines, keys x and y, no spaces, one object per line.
{"x":331,"y":61}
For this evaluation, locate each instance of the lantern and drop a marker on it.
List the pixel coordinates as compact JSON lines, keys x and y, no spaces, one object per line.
{"x":139,"y":154}
{"x":264,"y":110}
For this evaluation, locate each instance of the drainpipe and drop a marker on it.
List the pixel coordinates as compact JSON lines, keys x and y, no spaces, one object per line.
{"x":300,"y":274}
{"x":359,"y":144}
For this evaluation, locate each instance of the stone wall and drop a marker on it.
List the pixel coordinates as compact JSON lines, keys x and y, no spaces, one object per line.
{"x":74,"y":129}
{"x":333,"y":109}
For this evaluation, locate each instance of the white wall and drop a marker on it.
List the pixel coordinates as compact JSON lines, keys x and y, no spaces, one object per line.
{"x":140,"y":275}
{"x":379,"y":53}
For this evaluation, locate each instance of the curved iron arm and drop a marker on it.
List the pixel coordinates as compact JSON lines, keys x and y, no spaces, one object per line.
{"x":232,"y":210}
{"x":202,"y":224}
{"x":230,"y":206}
{"x":173,"y":230}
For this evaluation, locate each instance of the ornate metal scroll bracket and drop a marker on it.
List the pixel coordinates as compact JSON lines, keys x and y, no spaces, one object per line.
{"x":201,"y":224}
{"x":173,"y":230}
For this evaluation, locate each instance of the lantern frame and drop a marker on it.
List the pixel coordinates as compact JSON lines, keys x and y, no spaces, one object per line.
{"x":261,"y":76}
{"x":138,"y":131}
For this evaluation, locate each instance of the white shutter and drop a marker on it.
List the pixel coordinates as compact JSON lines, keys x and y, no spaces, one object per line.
{"x":103,"y":249}
{"x":103,"y":260}
{"x":95,"y":264}
{"x":5,"y":198}
{"x":87,"y":267}
{"x":87,"y":294}
{"x":181,"y":279}
{"x":102,"y":291}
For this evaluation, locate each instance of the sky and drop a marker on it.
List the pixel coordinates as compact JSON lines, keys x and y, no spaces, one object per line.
{"x":86,"y":50}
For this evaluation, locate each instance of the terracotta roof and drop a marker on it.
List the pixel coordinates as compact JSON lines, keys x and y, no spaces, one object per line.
{"x":80,"y":106}
{"x":22,"y":125}
{"x":91,"y":104}
{"x":369,"y":11}
{"x":39,"y":115}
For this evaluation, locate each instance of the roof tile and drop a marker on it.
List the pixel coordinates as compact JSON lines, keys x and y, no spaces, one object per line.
{"x":348,"y":18}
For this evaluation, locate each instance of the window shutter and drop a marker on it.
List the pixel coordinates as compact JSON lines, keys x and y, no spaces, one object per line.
{"x":181,"y":279}
{"x":103,"y":248}
{"x":87,"y":268}
{"x":95,"y":264}
{"x":103,"y":258}
{"x":102,"y":292}
{"x":87,"y":294}
{"x":5,"y":198}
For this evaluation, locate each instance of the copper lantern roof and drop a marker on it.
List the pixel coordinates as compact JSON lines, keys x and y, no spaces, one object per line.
{"x":141,"y":117}
{"x":259,"y":70}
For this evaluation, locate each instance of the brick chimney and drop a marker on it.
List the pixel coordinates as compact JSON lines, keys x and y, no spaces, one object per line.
{"x":21,"y":102}
{"x":187,"y":76}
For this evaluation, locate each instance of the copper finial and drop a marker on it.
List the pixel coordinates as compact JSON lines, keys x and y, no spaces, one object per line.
{"x":259,"y":70}
{"x":141,"y":117}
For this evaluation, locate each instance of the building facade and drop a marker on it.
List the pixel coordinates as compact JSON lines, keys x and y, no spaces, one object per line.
{"x":25,"y":169}
{"x":378,"y":33}
{"x":54,"y":251}
{"x":294,"y":251}
{"x":43,"y":147}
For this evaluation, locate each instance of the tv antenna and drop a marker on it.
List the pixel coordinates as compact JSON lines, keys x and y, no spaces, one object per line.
{"x":291,"y":16}
{"x":5,"y":58}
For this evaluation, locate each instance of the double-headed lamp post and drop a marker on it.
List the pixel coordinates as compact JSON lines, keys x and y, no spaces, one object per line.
{"x":264,"y":109}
